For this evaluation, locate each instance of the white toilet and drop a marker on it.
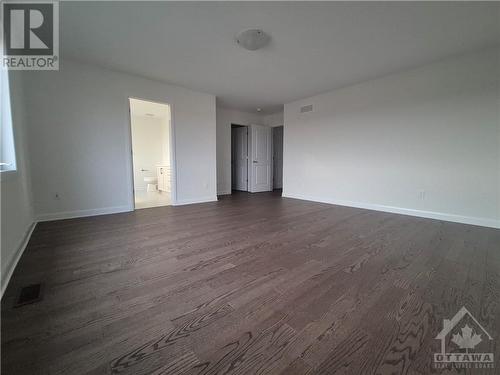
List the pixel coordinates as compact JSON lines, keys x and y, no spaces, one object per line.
{"x":152,"y":183}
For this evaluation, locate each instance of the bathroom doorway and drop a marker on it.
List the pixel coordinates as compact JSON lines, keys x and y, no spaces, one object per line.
{"x":150,"y":129}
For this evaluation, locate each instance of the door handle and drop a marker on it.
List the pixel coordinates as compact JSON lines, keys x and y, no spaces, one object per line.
{"x":255,"y":161}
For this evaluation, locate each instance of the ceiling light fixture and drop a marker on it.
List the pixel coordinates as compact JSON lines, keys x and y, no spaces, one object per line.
{"x":252,"y":39}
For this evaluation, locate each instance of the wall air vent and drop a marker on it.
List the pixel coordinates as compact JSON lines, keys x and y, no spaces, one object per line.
{"x":30,"y":294}
{"x":306,"y":108}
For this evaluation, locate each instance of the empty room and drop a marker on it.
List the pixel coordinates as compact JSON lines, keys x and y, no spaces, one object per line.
{"x":282,"y":188}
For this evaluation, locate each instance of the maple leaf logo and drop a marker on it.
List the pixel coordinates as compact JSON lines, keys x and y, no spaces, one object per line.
{"x":467,"y":340}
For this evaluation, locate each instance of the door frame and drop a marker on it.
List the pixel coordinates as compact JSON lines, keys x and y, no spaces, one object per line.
{"x":173,"y":161}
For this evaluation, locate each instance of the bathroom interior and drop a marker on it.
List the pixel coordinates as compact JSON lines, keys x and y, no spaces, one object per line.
{"x":150,"y":131}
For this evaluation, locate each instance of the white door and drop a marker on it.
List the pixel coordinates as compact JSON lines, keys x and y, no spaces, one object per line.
{"x":261,"y":160}
{"x":278,"y":157}
{"x":240,"y":158}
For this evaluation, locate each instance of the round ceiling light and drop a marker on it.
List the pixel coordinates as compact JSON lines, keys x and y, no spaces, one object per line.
{"x":252,"y":39}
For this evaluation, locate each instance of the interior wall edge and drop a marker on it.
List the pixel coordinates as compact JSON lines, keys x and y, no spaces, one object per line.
{"x":483,"y":222}
{"x":83,"y":213}
{"x":182,"y":202}
{"x":12,"y":263}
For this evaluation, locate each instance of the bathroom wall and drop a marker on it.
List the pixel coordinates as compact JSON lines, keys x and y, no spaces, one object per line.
{"x":150,"y":144}
{"x":166,"y":142}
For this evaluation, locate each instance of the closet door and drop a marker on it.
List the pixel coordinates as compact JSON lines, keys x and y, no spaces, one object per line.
{"x":261,"y":167}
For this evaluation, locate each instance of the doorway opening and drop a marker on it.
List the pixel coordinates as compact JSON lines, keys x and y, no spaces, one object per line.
{"x":239,"y":157}
{"x":251,"y":158}
{"x":278,"y":157}
{"x":151,"y":136}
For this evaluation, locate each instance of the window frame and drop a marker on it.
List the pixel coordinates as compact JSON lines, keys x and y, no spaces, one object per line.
{"x":6,"y":172}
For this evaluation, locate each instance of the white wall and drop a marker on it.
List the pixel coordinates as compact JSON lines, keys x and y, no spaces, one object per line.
{"x":274,"y":119}
{"x":150,"y":147}
{"x":379,"y":144}
{"x":79,"y":139}
{"x":17,"y":219}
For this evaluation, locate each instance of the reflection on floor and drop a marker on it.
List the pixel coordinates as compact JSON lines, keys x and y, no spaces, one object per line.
{"x":146,"y":199}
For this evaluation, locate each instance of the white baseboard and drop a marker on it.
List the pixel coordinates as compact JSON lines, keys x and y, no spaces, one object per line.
{"x":83,"y":213}
{"x":225,"y":192}
{"x":19,"y":252}
{"x":181,"y":202}
{"x":403,"y":211}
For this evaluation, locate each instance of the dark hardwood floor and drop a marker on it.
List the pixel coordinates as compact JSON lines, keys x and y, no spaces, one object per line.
{"x":252,"y":284}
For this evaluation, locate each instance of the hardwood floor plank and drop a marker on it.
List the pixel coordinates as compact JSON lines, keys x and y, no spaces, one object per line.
{"x":251,"y":284}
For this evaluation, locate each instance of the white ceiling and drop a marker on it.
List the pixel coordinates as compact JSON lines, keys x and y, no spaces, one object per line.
{"x":145,"y":108}
{"x":315,"y":47}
